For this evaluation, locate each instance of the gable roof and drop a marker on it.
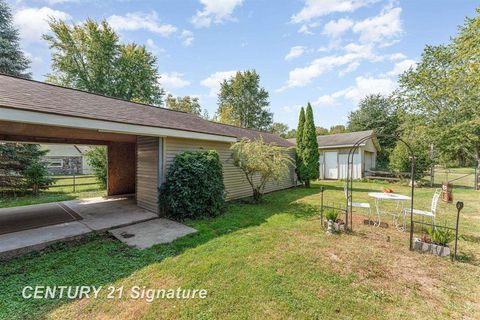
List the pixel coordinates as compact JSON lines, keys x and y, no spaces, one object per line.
{"x":30,"y":95}
{"x":347,"y":139}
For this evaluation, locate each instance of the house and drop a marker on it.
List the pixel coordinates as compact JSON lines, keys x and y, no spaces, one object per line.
{"x":334,"y":149}
{"x":141,"y":140}
{"x":66,"y":159}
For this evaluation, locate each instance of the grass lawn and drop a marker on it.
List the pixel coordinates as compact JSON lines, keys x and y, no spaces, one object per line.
{"x":61,"y":190}
{"x":271,"y":260}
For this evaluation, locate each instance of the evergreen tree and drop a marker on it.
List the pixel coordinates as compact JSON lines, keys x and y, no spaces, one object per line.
{"x":299,"y":144}
{"x":12,"y":59}
{"x":310,"y":156}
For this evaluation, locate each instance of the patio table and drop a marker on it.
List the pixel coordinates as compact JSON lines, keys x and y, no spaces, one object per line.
{"x":384,"y":196}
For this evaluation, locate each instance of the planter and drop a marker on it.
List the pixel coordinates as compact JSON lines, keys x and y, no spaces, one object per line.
{"x":431,"y":248}
{"x":336,"y":226}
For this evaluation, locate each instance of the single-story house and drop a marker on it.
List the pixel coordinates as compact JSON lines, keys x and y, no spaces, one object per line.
{"x":334,"y":149}
{"x":142,"y":140}
{"x":66,"y":159}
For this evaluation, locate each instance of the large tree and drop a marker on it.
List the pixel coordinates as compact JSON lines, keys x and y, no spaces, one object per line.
{"x":339,"y":128}
{"x":242,"y":101}
{"x":280,"y":128}
{"x":185,"y":104}
{"x":310,"y":156}
{"x":299,"y":144}
{"x":12,"y":59}
{"x":89,"y":57}
{"x":376,"y":112}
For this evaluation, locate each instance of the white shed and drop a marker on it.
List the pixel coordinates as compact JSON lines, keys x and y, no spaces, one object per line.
{"x":334,"y":151}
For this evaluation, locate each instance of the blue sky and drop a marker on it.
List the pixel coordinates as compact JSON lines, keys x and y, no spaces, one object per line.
{"x":328,"y":52}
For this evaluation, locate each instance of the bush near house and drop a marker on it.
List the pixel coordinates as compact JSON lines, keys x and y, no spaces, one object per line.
{"x":194,"y":186}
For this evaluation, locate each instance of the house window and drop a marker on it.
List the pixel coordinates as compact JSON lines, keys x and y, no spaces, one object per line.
{"x":55,"y":163}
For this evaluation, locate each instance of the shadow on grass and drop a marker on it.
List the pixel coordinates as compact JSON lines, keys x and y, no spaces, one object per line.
{"x":99,"y":260}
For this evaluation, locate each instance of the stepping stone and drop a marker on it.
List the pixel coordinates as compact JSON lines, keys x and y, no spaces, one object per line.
{"x":149,"y":233}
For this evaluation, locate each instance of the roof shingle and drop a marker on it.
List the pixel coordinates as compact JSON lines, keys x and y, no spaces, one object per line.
{"x":47,"y":98}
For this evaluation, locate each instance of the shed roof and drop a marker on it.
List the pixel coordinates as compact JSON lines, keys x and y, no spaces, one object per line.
{"x":347,"y":139}
{"x":30,"y":95}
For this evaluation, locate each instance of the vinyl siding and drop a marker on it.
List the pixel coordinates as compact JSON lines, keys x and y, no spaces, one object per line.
{"x":236,"y":185}
{"x":147,"y":173}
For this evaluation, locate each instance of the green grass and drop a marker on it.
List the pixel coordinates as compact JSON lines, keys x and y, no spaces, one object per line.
{"x":61,"y":190}
{"x":271,"y":260}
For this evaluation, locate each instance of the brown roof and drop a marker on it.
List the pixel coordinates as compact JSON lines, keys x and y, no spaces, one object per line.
{"x":43,"y":97}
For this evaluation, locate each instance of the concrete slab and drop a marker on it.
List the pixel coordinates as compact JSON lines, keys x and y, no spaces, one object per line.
{"x":17,"y":243}
{"x":101,"y":214}
{"x":146,"y":234}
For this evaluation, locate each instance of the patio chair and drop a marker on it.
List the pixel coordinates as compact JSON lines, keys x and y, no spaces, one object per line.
{"x":433,"y":209}
{"x":364,"y":205}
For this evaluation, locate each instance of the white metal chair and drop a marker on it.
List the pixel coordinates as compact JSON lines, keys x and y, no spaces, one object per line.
{"x":364,"y":205}
{"x":433,"y":209}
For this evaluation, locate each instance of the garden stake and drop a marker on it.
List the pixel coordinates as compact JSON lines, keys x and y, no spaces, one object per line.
{"x":459,"y":208}
{"x":321,"y":204}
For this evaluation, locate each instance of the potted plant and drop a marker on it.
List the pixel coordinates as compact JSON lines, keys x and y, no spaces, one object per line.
{"x":332,"y":222}
{"x":435,"y":242}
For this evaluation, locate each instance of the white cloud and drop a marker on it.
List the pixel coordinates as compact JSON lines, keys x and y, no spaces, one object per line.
{"x":141,"y":21}
{"x":213,"y":81}
{"x":367,"y":85}
{"x":214,"y":11}
{"x":350,"y":68}
{"x":335,"y":28}
{"x":317,"y":8}
{"x":306,"y":28}
{"x":295,"y":52}
{"x":53,"y":2}
{"x":151,"y":45}
{"x":385,"y":26}
{"x":33,"y":22}
{"x":187,"y":37}
{"x":397,"y":56}
{"x":291,"y":109}
{"x":173,"y":80}
{"x":402,"y":66}
{"x":325,"y":101}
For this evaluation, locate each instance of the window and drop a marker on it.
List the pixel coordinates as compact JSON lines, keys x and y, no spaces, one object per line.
{"x":55,"y":163}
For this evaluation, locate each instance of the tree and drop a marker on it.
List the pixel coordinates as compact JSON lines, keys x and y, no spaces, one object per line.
{"x":280,"y":129}
{"x":261,"y":163}
{"x":36,"y":176}
{"x":321,"y":131}
{"x":185,"y":104}
{"x":89,"y":57}
{"x":310,"y":156}
{"x":241,"y":101}
{"x":12,"y":59}
{"x":376,"y":112}
{"x":97,"y":159}
{"x":15,"y":159}
{"x":299,"y":144}
{"x":292,"y":133}
{"x":339,"y":128}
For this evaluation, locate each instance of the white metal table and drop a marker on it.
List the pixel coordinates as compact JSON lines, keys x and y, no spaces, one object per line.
{"x":384,"y":196}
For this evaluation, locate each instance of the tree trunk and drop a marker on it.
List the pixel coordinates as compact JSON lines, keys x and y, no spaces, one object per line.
{"x":307,"y":183}
{"x":257,"y":196}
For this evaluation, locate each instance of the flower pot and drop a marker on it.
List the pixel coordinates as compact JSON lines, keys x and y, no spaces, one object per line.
{"x":431,"y":248}
{"x":336,"y":226}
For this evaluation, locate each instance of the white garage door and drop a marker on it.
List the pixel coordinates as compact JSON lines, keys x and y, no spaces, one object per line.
{"x":343,"y":162}
{"x":331,"y":165}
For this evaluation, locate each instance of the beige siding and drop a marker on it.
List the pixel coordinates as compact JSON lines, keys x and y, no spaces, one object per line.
{"x":147,"y":173}
{"x":236,"y":184}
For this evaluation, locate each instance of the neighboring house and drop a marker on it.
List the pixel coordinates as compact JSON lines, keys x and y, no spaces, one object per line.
{"x":66,"y":159}
{"x":334,"y":149}
{"x":141,"y":140}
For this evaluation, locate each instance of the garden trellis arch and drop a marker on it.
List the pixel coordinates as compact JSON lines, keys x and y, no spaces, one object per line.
{"x":351,"y":154}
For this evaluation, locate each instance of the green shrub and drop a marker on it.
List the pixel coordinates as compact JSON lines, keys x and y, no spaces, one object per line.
{"x":331,"y":214}
{"x":97,"y":159}
{"x":194,"y":186}
{"x":36,"y":176}
{"x":441,"y":236}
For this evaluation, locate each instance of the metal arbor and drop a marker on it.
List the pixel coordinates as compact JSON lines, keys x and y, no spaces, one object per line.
{"x":349,"y":192}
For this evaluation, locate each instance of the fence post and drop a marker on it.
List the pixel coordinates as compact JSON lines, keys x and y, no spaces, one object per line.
{"x":459,"y":206}
{"x":74,"y":182}
{"x":321,"y":204}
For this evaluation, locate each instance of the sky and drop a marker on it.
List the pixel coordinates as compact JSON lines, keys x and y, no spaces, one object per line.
{"x":330,"y":53}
